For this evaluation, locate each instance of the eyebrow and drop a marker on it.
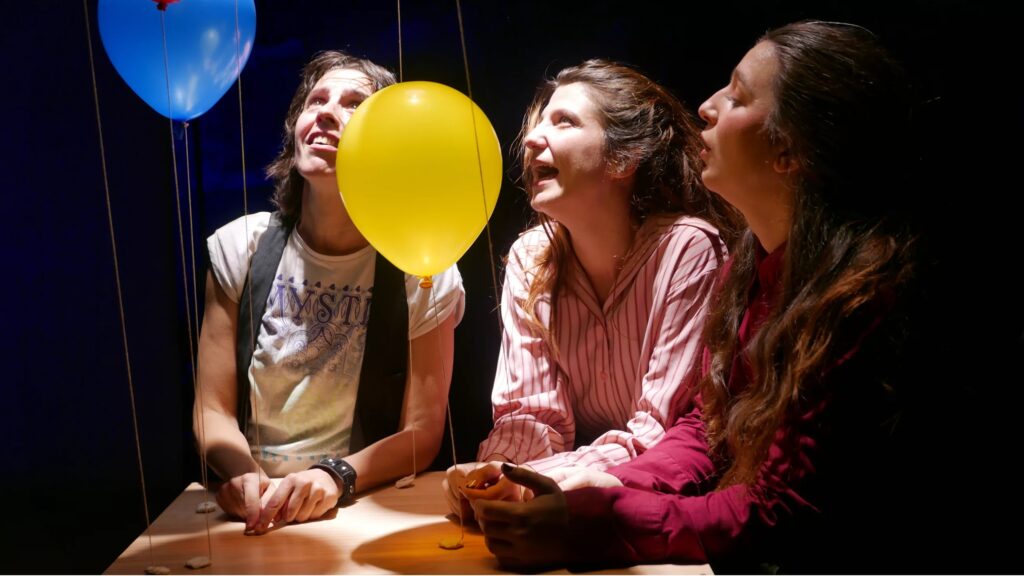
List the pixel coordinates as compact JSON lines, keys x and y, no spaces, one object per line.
{"x":364,"y":91}
{"x":738,"y":77}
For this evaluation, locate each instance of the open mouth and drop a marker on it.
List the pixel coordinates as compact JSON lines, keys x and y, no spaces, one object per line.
{"x":324,"y":140}
{"x":543,"y":172}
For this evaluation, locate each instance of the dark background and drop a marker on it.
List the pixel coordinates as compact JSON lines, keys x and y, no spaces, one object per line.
{"x":70,"y":469}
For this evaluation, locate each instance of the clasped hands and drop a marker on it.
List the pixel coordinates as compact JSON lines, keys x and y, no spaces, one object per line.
{"x":298,"y":497}
{"x":522,"y":514}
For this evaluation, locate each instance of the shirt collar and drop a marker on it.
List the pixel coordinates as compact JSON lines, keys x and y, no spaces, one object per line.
{"x":769,"y":265}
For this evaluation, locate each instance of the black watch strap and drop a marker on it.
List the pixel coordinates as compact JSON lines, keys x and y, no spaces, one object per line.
{"x":343,"y":473}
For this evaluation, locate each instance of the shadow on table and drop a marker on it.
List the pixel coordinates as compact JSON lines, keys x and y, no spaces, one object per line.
{"x":417,"y":551}
{"x":274,"y":555}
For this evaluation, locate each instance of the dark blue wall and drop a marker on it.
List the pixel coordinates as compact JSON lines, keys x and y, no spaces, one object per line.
{"x":70,"y":469}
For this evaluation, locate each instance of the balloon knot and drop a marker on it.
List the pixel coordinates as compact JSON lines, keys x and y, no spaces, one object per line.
{"x":426,"y":283}
{"x":162,"y":4}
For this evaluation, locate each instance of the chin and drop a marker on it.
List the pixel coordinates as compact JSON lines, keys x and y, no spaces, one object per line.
{"x":542,"y":207}
{"x":708,"y":179}
{"x":314,"y":170}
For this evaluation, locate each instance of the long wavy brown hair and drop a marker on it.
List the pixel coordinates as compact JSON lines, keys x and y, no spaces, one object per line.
{"x":644,"y":126}
{"x":288,"y":182}
{"x":841,"y":110}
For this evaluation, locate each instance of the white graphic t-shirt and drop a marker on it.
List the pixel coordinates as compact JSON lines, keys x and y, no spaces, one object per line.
{"x":309,"y":351}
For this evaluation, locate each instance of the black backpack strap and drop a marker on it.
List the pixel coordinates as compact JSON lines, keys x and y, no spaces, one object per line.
{"x":385,"y":359}
{"x":264,"y":267}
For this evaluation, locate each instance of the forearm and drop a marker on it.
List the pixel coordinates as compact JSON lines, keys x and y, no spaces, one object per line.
{"x":393,"y":457}
{"x":600,"y":458}
{"x":215,"y":424}
{"x":418,"y":440}
{"x":520,"y":439}
{"x":225,"y":447}
{"x":679,"y":464}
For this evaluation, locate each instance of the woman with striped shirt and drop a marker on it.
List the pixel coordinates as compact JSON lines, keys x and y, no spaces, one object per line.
{"x":794,"y":457}
{"x":605,"y":297}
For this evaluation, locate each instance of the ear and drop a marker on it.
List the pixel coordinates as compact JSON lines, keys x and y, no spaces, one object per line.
{"x":785,"y":163}
{"x":623,"y":172}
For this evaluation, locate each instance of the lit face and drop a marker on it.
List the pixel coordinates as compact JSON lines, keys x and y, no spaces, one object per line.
{"x":327,"y":109}
{"x":740,"y":162}
{"x":565,"y":153}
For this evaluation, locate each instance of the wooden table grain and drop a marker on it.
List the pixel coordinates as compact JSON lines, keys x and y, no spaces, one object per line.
{"x":386,"y":531}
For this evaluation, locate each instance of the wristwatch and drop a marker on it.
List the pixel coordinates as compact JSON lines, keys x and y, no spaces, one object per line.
{"x":344,"y":474}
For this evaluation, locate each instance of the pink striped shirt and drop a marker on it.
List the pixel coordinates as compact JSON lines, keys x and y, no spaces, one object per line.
{"x":625,"y":367}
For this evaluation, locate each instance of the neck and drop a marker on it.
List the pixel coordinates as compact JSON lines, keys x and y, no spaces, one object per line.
{"x":600,"y":245}
{"x":324,"y":224}
{"x":771,"y":220}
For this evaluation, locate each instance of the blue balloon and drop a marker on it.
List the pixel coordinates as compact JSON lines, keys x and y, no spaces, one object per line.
{"x":203,"y":59}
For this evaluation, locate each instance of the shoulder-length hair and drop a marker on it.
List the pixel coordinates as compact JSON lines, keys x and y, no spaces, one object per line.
{"x":288,"y":183}
{"x":645,"y":127}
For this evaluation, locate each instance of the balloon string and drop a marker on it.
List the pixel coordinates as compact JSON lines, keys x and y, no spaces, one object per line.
{"x":447,"y":404}
{"x":117,"y":276}
{"x":414,"y":469}
{"x":181,"y":235}
{"x":400,"y":72}
{"x":194,"y":317}
{"x":253,"y":398}
{"x":487,"y":220}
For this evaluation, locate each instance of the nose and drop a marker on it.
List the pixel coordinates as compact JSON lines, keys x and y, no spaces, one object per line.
{"x":534,"y":139}
{"x":707,"y":110}
{"x":331,"y":115}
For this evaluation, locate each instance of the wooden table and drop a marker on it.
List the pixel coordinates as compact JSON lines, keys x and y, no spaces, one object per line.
{"x":385,"y":531}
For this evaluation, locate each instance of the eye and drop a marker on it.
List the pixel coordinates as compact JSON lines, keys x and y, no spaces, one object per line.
{"x":733,"y":98}
{"x":316,"y":101}
{"x":564,"y":120}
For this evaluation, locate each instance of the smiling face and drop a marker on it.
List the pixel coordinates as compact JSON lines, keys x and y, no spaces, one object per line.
{"x":565,"y":152}
{"x":326,"y":111}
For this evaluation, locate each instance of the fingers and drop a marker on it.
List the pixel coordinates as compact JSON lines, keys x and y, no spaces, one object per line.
{"x":483,"y":475}
{"x":501,"y":489}
{"x":299,"y":497}
{"x":538,"y":483}
{"x":229,"y":498}
{"x":271,"y":509}
{"x":467,"y":510}
{"x":325,"y":505}
{"x":525,"y":534}
{"x":302,"y":504}
{"x":494,"y":516}
{"x":467,"y":481}
{"x":251,"y":492}
{"x":453,"y":498}
{"x":486,"y":482}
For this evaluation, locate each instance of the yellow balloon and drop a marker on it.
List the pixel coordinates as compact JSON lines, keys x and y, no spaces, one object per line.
{"x":419,"y":170}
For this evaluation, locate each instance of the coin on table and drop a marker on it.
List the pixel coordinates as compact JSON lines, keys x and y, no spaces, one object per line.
{"x":450,"y":543}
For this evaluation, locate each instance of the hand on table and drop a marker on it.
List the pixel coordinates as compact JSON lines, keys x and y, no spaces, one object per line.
{"x":478,"y":480}
{"x":529,"y":534}
{"x":298,"y":497}
{"x":240,"y":497}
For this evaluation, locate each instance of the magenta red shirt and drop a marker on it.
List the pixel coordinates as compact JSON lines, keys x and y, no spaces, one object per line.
{"x":668,"y":510}
{"x":624,"y":367}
